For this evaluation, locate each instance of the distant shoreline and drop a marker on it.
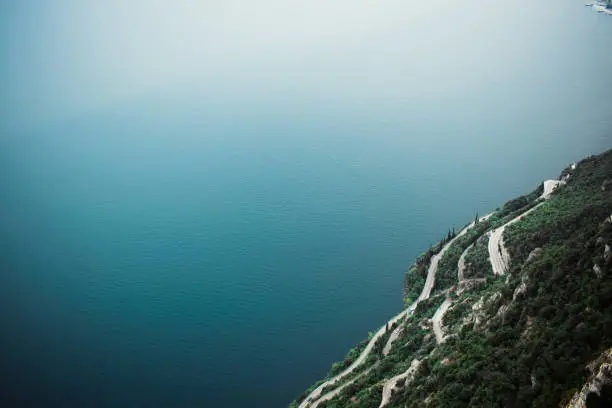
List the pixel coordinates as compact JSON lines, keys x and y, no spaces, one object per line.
{"x":601,"y":7}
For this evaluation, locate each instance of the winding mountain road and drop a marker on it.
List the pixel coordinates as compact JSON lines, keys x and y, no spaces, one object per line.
{"x":433,"y":265}
{"x":499,"y":256}
{"x":313,"y":399}
{"x":499,"y":261}
{"x":437,"y":320}
{"x":390,"y":385}
{"x":316,"y":394}
{"x":394,"y":336}
{"x":461,"y":264}
{"x":429,"y":282}
{"x":441,"y":311}
{"x":337,"y":391}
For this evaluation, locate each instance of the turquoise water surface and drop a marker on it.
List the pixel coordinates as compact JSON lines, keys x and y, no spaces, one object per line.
{"x":200,"y":249}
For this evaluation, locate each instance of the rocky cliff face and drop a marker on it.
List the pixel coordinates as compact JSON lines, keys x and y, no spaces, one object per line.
{"x":597,"y":392}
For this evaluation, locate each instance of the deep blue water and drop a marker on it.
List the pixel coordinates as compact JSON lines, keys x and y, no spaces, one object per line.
{"x":181,"y":252}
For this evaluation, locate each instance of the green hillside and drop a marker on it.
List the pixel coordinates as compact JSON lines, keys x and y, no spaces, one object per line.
{"x":517,"y":339}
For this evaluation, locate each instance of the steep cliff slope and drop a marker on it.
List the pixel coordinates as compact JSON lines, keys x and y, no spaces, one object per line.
{"x":515,"y":308}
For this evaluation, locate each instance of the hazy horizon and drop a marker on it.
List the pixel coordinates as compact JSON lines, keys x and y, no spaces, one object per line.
{"x":208,"y":204}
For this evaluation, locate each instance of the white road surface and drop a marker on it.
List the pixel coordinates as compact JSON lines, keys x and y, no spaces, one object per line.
{"x":499,"y":256}
{"x":315,"y":396}
{"x":437,"y":320}
{"x":461,"y":264}
{"x":390,"y":383}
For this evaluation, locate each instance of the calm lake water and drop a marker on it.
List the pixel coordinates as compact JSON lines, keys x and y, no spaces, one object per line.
{"x":202,"y":251}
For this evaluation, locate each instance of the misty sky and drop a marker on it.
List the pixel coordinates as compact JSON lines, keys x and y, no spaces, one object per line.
{"x":67,"y":58}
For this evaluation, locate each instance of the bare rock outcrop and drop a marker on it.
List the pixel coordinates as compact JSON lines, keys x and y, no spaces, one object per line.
{"x":520,"y":289}
{"x":534,"y":254}
{"x":598,"y":389}
{"x":597,"y":270}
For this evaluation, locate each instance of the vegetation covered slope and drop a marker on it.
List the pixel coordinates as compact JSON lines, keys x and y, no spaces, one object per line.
{"x":521,"y":339}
